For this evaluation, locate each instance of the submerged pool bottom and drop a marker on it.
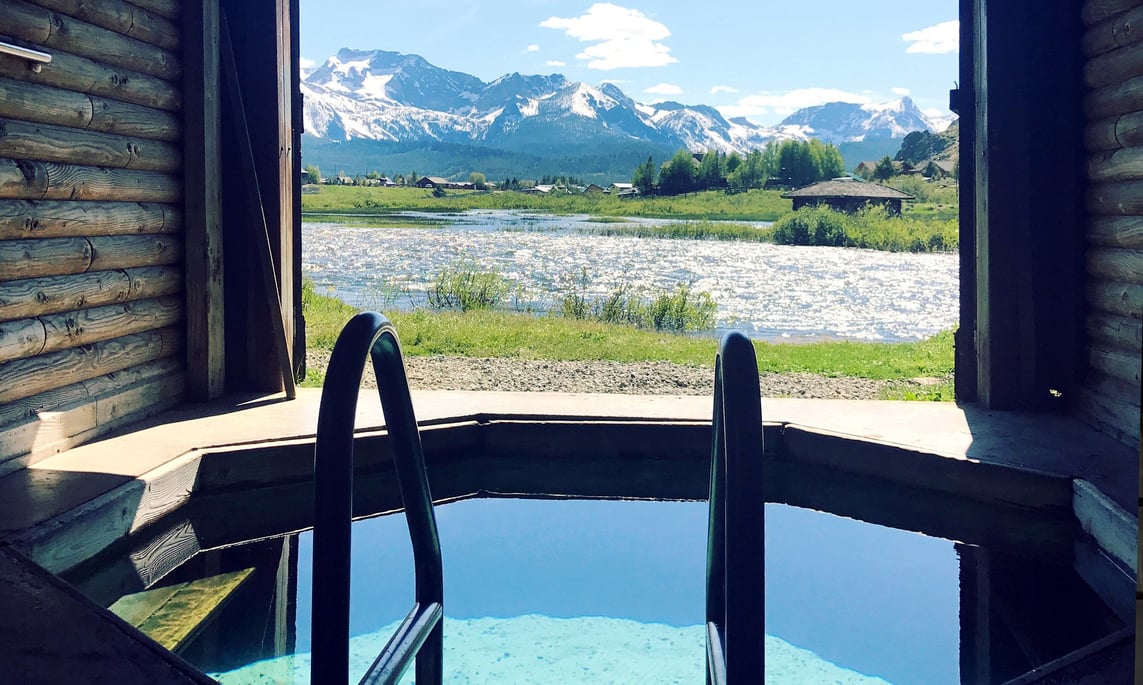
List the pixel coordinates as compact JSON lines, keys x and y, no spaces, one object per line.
{"x":611,"y":591}
{"x":543,"y":650}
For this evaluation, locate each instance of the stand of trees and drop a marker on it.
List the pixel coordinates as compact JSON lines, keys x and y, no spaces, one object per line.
{"x":791,"y":163}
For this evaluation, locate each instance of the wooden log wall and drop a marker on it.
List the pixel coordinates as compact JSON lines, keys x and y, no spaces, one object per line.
{"x":1113,"y":48}
{"x":91,"y":221}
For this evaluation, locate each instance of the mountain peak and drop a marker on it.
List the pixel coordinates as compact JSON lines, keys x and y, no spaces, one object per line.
{"x":383,"y":95}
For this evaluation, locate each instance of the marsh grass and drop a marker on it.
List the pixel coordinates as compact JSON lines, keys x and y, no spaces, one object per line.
{"x":753,"y":205}
{"x":692,"y":230}
{"x":380,"y":220}
{"x":870,"y":228}
{"x":465,"y":287}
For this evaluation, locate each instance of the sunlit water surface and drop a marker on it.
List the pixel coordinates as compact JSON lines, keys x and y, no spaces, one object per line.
{"x":768,"y":291}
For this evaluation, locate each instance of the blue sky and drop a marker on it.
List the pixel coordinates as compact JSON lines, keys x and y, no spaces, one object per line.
{"x":755,"y":58}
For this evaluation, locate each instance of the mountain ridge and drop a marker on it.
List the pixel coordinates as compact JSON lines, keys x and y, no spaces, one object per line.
{"x":405,"y":100}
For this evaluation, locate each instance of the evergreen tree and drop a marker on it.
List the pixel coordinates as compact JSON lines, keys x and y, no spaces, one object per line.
{"x":884,"y":169}
{"x":710,"y":171}
{"x":644,"y":178}
{"x":678,"y":176}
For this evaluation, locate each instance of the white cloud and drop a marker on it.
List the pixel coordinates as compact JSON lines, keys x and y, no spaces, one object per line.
{"x":934,"y":40}
{"x":722,"y":89}
{"x":621,"y":37}
{"x":555,"y":63}
{"x":533,"y":48}
{"x":789,"y":101}
{"x":664,"y":89}
{"x":901,"y":91}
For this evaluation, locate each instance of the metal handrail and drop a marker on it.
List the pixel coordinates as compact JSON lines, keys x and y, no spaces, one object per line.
{"x":420,"y":635}
{"x":735,"y":557}
{"x":34,"y":56}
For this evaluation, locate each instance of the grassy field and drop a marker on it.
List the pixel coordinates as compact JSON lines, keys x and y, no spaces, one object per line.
{"x":755,"y":205}
{"x":930,"y":224}
{"x":502,"y":334}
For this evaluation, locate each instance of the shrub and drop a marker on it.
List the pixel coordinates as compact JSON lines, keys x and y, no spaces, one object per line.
{"x":679,"y":310}
{"x":870,"y":228}
{"x":463,"y":287}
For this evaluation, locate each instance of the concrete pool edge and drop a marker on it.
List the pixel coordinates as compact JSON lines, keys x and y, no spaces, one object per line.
{"x":934,"y":449}
{"x":158,"y":469}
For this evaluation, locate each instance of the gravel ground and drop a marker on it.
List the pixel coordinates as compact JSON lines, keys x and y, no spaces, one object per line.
{"x":631,"y":378}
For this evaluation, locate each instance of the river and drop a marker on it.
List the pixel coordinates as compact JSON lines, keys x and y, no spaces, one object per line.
{"x":773,"y":292}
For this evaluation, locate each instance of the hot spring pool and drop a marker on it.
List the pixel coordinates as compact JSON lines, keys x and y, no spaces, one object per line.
{"x":611,"y":591}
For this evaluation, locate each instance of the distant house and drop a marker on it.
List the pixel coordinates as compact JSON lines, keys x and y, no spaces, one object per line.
{"x":343,"y":180}
{"x":593,"y":189}
{"x":372,"y":182}
{"x":310,"y":188}
{"x":431,"y":182}
{"x":938,"y":168}
{"x":618,"y":188}
{"x":848,"y":195}
{"x":387,"y":182}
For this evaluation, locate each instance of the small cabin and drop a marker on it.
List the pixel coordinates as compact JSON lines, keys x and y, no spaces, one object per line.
{"x":848,"y":195}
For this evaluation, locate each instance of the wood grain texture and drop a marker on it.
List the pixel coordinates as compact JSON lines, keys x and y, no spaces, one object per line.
{"x":97,"y":324}
{"x":1115,"y":99}
{"x":44,"y":142}
{"x":113,"y":116}
{"x":25,"y":259}
{"x":26,"y":219}
{"x":164,"y":8}
{"x":1118,"y":332}
{"x":206,"y":299}
{"x":52,"y":430}
{"x":21,"y":259}
{"x":1125,"y":164}
{"x":1116,"y":231}
{"x":27,"y":377}
{"x":1119,"y":31}
{"x":42,"y":296}
{"x":1118,"y":419}
{"x":44,"y":104}
{"x":120,"y":17}
{"x":1120,"y":198}
{"x":1095,"y":11}
{"x":1124,"y":299}
{"x":83,"y":394}
{"x":1118,"y":364}
{"x":127,"y":252}
{"x":1114,"y":264}
{"x":21,"y":338}
{"x":1112,"y":388}
{"x":1114,"y":67}
{"x":27,"y":180}
{"x":79,"y":74}
{"x":24,"y":20}
{"x":1100,"y":136}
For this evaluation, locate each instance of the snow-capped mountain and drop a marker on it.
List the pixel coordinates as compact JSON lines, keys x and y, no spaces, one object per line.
{"x":361,"y":95}
{"x":389,"y":96}
{"x":847,"y":122}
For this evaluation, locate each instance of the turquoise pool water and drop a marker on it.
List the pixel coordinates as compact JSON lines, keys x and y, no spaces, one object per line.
{"x":598,"y":591}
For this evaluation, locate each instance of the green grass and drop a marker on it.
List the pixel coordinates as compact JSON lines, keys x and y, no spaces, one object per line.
{"x":755,"y":205}
{"x":692,"y":230}
{"x":504,"y":334}
{"x":869,"y":228}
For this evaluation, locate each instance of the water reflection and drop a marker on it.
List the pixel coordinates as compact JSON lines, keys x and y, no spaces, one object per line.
{"x":768,"y":291}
